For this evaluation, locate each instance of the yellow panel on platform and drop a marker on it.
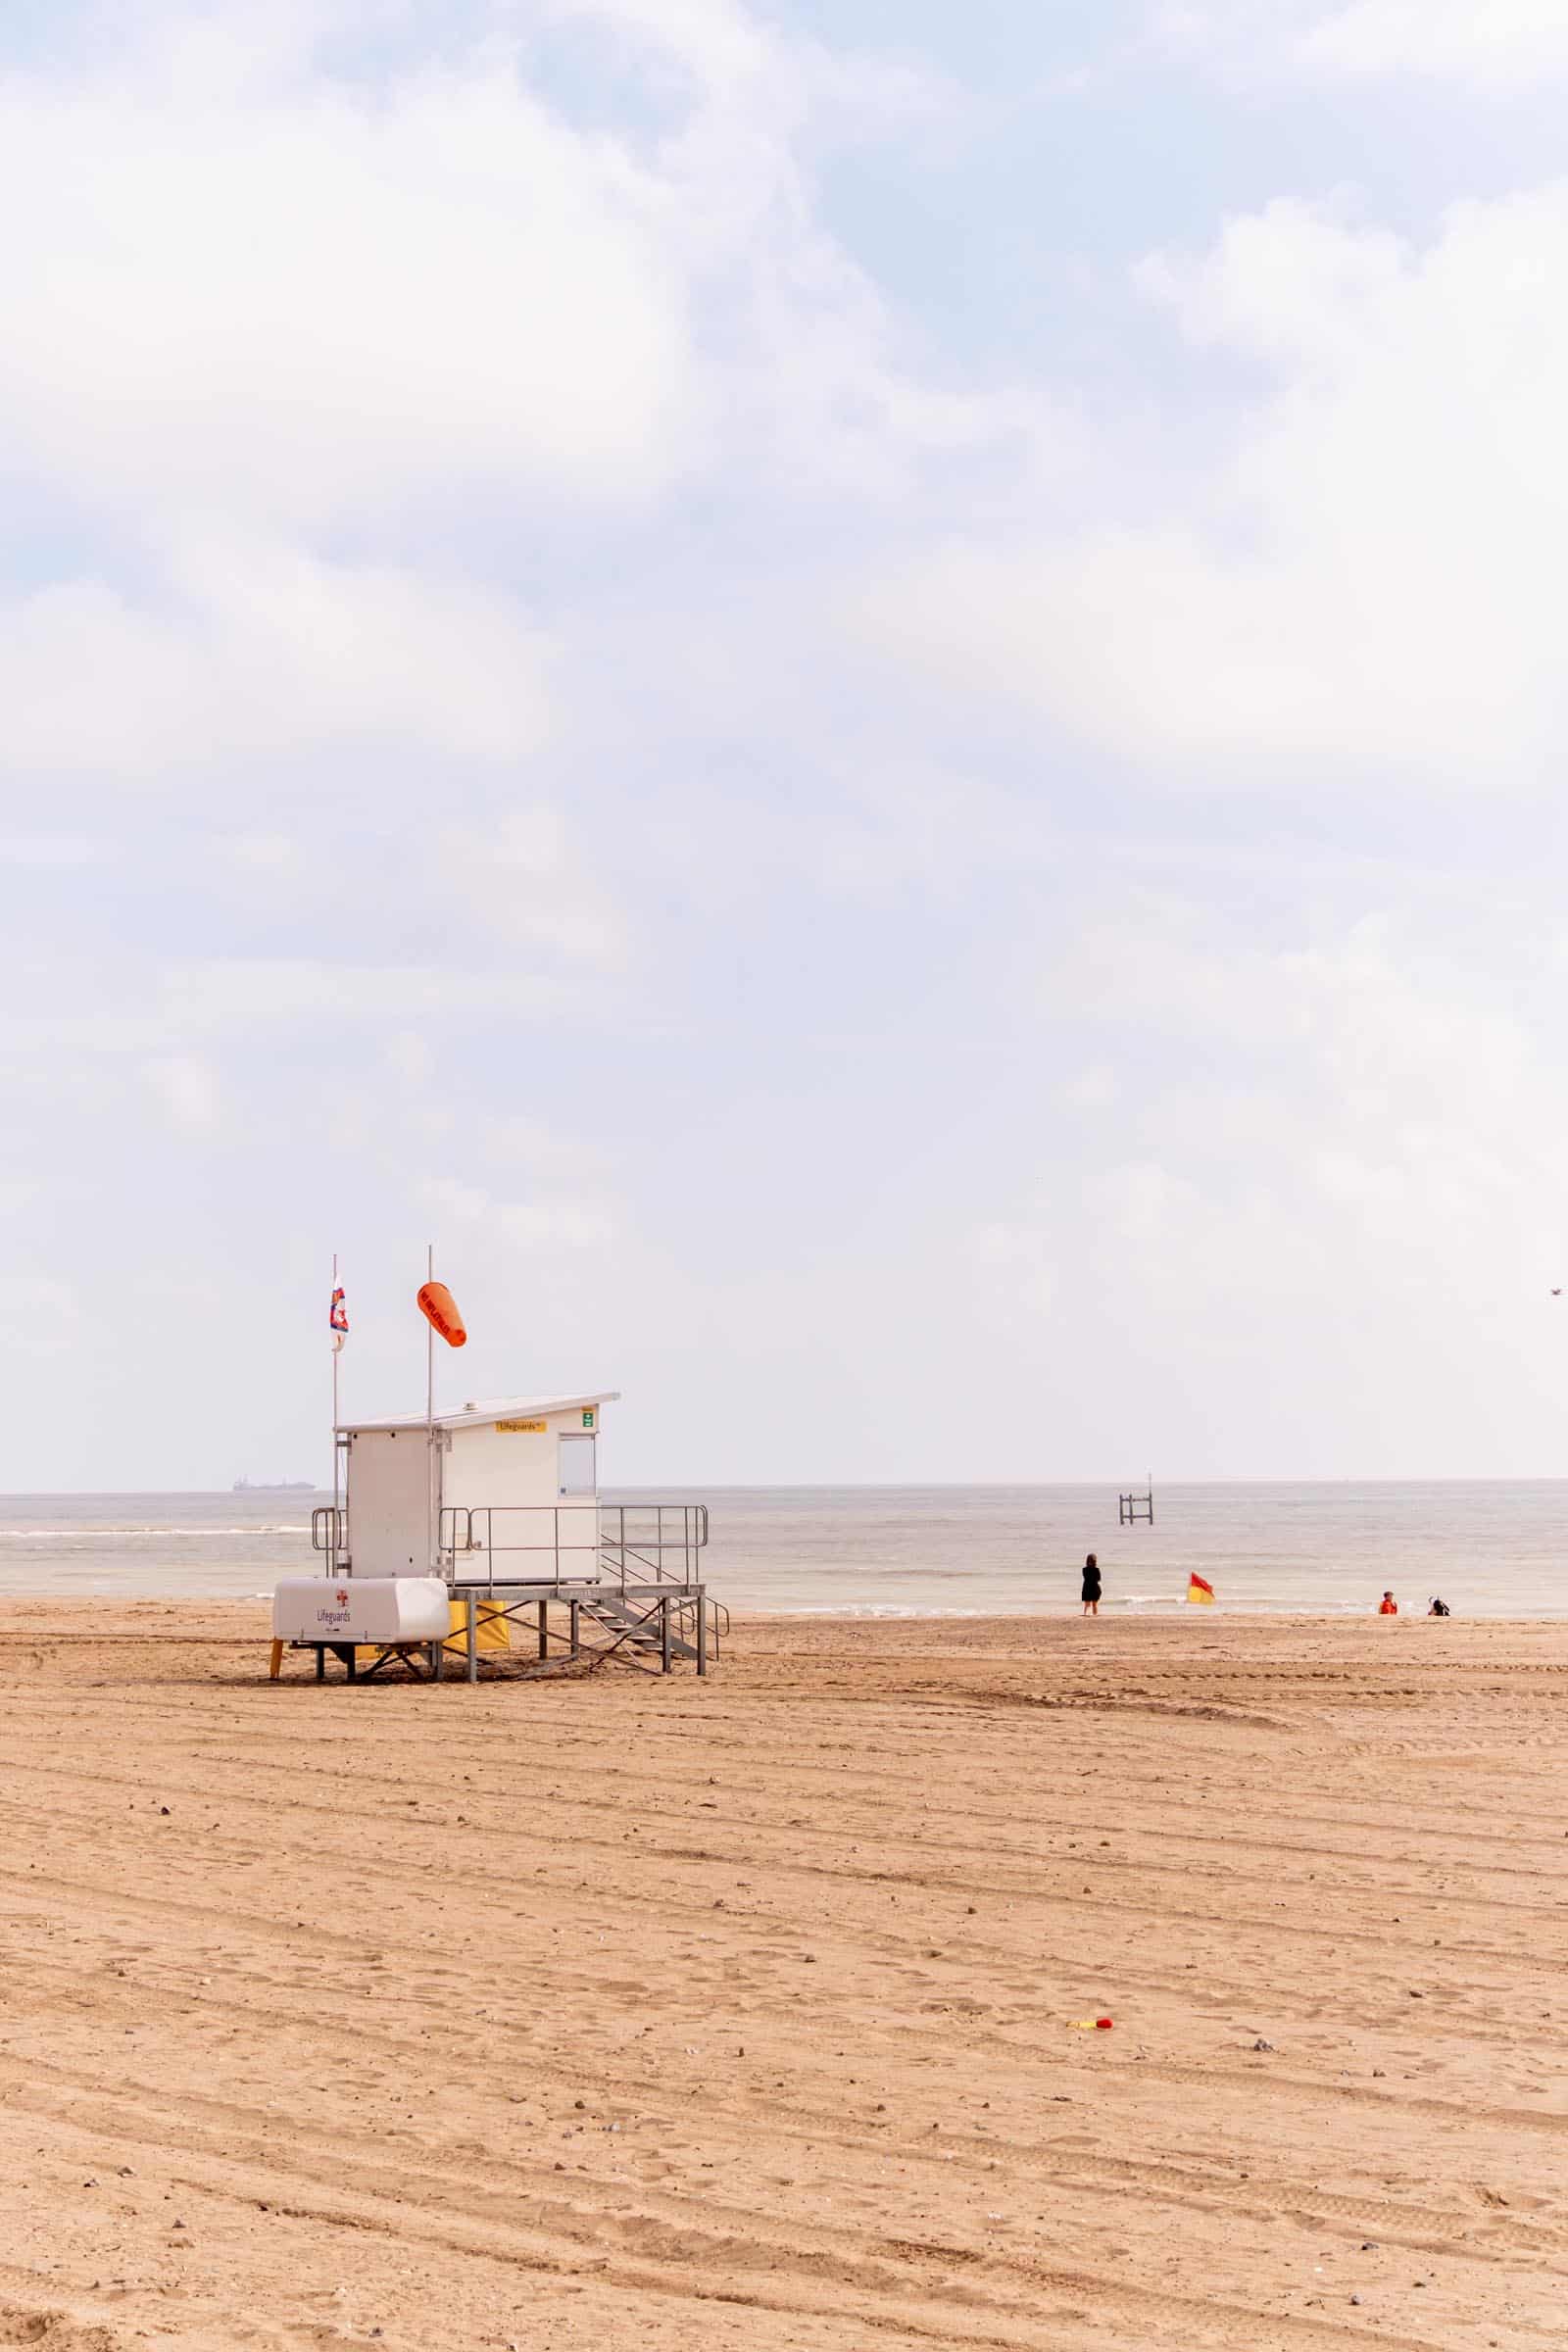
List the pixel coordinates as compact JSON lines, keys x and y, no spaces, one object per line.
{"x":495,"y":1627}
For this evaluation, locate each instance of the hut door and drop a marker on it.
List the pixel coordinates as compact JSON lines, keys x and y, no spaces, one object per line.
{"x":389,"y":1501}
{"x":579,"y":1469}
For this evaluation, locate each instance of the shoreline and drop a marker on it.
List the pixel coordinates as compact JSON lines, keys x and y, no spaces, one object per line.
{"x":864,"y":1614}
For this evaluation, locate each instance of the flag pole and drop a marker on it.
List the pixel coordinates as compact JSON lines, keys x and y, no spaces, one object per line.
{"x":336,"y":1352}
{"x":429,"y":1419}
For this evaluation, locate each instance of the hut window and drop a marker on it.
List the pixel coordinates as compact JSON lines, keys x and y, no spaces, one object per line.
{"x":578,"y":1470}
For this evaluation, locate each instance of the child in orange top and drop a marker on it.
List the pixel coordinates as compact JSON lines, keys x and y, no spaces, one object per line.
{"x":1388,"y":1606}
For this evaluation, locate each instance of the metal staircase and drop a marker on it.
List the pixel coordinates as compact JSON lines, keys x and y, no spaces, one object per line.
{"x":635,"y":1540}
{"x":641,"y":1631}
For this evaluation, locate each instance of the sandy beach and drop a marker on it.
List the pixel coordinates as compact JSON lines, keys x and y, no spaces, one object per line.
{"x":619,"y":2012}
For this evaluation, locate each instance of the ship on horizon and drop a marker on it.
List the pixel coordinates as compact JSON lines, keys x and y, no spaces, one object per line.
{"x":273,"y":1485}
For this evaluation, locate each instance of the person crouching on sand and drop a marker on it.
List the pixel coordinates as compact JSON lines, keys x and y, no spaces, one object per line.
{"x":1090,"y":1587}
{"x":1388,"y":1606}
{"x":1438,"y":1608}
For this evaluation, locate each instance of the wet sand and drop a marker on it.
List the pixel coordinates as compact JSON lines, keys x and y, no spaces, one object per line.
{"x":620,"y":2012}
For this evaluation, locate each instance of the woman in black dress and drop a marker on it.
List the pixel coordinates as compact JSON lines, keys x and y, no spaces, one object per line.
{"x":1090,"y":1587}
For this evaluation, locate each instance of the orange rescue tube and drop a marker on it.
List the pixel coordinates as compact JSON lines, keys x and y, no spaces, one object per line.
{"x":439,"y":1307}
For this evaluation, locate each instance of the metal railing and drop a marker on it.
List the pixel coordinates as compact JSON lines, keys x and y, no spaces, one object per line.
{"x":644,"y":1533}
{"x":536,"y":1543}
{"x":329,"y":1532}
{"x":610,"y":1544}
{"x":686,"y":1611}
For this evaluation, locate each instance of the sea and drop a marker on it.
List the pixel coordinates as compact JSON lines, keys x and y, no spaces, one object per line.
{"x":1492,"y":1549}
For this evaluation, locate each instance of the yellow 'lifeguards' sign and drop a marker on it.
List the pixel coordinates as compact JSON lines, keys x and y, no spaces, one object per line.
{"x":534,"y":1427}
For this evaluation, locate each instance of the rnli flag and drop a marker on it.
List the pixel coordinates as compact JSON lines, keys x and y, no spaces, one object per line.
{"x":339,"y":1319}
{"x":1199,"y":1593}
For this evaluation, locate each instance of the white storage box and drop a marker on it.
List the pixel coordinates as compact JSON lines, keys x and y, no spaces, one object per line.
{"x":362,"y":1608}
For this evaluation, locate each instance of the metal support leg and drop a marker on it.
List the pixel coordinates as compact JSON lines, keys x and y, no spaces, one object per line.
{"x":702,"y":1629}
{"x":664,"y":1633}
{"x":471,"y":1628}
{"x":577,"y":1619}
{"x":438,"y":1651}
{"x":321,"y":1662}
{"x":544,"y":1629}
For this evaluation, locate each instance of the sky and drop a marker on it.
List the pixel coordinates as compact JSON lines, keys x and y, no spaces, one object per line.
{"x":863,"y":698}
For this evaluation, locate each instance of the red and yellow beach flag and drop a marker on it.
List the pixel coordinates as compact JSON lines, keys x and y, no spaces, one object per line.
{"x":1199,"y":1593}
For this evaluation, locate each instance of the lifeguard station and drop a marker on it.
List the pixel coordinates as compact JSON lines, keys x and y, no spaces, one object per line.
{"x":468,"y":1530}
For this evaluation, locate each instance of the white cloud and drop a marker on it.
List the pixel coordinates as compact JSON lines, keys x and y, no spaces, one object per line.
{"x":166,"y":1011}
{"x":448,"y":1196}
{"x":322,"y":326}
{"x":237,"y":994}
{"x":1393,"y":1118}
{"x":188,"y":1090}
{"x":565,"y":1221}
{"x":720,"y":44}
{"x":750,"y":70}
{"x":1017,"y":1263}
{"x":525,"y":877}
{"x":1160,"y":965}
{"x":1093,"y":1089}
{"x":409,"y":1057}
{"x":255,"y":649}
{"x":565,"y":1224}
{"x":39,"y":1316}
{"x":1487,"y":43}
{"x":1336,"y":1238}
{"x":261,"y":852}
{"x":44,"y":851}
{"x":1370,"y":583}
{"x":556,"y":1162}
{"x":1497,"y":47}
{"x":297,"y":298}
{"x":318,"y":298}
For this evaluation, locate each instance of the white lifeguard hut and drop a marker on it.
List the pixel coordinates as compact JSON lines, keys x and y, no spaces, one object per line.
{"x":455,"y":1525}
{"x":517,"y":1473}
